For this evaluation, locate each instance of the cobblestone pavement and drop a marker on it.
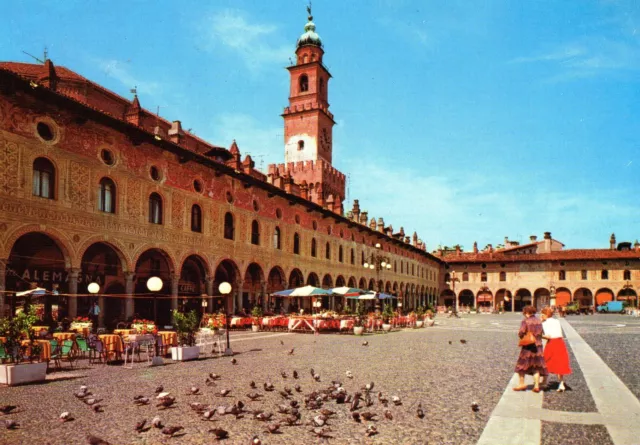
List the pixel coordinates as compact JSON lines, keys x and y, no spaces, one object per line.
{"x":429,"y":366}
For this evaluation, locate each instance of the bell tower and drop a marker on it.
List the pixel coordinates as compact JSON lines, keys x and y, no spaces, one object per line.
{"x":308,"y":125}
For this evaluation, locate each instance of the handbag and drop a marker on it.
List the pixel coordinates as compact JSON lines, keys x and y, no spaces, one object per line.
{"x":528,"y":339}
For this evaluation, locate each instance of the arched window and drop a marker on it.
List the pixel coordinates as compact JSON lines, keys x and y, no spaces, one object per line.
{"x":353,"y":257}
{"x":304,"y":83}
{"x":562,"y":275}
{"x":604,"y":275}
{"x":321,"y":86}
{"x":300,"y":144}
{"x":196,"y":218}
{"x":313,"y":247}
{"x":276,"y":238}
{"x":395,"y":266}
{"x":340,"y":257}
{"x":327,"y":251}
{"x":413,"y":270}
{"x":255,"y":233}
{"x":626,"y":275}
{"x":583,"y":274}
{"x":107,"y":196}
{"x":447,"y":277}
{"x":465,"y":276}
{"x":401,"y":266}
{"x":483,"y":276}
{"x":44,"y":176}
{"x":296,"y":244}
{"x":228,"y":226}
{"x":362,"y":261}
{"x":155,"y":209}
{"x":503,"y":276}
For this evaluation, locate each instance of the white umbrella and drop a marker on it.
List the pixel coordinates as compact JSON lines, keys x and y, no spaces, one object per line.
{"x":36,"y":291}
{"x":308,"y":291}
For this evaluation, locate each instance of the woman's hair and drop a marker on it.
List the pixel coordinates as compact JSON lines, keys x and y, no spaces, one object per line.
{"x":547,"y":311}
{"x":529,"y":310}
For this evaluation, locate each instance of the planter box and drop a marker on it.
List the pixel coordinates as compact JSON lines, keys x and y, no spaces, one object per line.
{"x":255,"y":327}
{"x":11,"y":374}
{"x":419,"y":323}
{"x":386,"y":327}
{"x":430,"y":322}
{"x":358,"y":330}
{"x":183,"y":353}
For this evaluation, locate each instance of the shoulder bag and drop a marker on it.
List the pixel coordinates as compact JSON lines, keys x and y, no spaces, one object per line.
{"x":528,"y":339}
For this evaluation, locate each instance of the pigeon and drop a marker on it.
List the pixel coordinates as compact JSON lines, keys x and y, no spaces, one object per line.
{"x":354,"y":404}
{"x":162,"y":395}
{"x":298,"y":388}
{"x":268,"y":386}
{"x":263,"y":417}
{"x":65,"y":417}
{"x":224,"y":392}
{"x":365,"y":343}
{"x":256,"y":441}
{"x":463,"y":341}
{"x":316,"y":377}
{"x":141,"y":401}
{"x":283,"y":374}
{"x":272,"y":428}
{"x":219,"y":433}
{"x":369,"y":386}
{"x":252,"y":385}
{"x":166,"y":402}
{"x":475,"y":407}
{"x":450,"y":342}
{"x":327,"y":412}
{"x":84,"y":388}
{"x":198,"y":407}
{"x":94,"y":440}
{"x":284,"y":394}
{"x":253,"y":396}
{"x":287,"y":390}
{"x":312,"y":372}
{"x":388,"y":415}
{"x":368,"y":415}
{"x":295,"y":374}
{"x":159,"y":389}
{"x":396,"y":400}
{"x":356,"y":417}
{"x":382,"y":399}
{"x":367,"y":399}
{"x":209,"y":382}
{"x":420,"y":412}
{"x":11,"y":424}
{"x":91,"y":401}
{"x":214,"y":376}
{"x":290,"y":352}
{"x":157,"y":422}
{"x":349,"y":374}
{"x":171,"y":430}
{"x":194,"y":391}
{"x":322,"y":432}
{"x":208,"y":414}
{"x":97,"y":408}
{"x":234,"y":361}
{"x":371,"y":430}
{"x":80,"y":395}
{"x":140,"y":425}
{"x":319,"y":420}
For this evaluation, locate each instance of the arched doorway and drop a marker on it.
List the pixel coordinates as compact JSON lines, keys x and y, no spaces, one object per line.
{"x":541,"y":298}
{"x":362,"y":284}
{"x":372,"y":284}
{"x":503,"y":300}
{"x":252,"y":290}
{"x":340,"y":281}
{"x":313,"y":280}
{"x":629,"y":295}
{"x":465,"y":299}
{"x":583,"y":296}
{"x":327,"y":283}
{"x":562,"y":297}
{"x":352,"y":282}
{"x":485,"y":300}
{"x":521,"y":299}
{"x":447,"y":299}
{"x":102,"y":264}
{"x":149,"y":305}
{"x":276,"y":282}
{"x":36,"y":260}
{"x":192,"y":284}
{"x":296,"y":279}
{"x":603,"y":295}
{"x":227,"y":271}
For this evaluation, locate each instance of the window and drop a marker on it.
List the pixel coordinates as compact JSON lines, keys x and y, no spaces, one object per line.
{"x":583,"y":274}
{"x":45,"y":131}
{"x":313,"y":247}
{"x":196,"y":218}
{"x":626,"y":275}
{"x":300,"y":144}
{"x":304,"y":83}
{"x":465,"y":276}
{"x":340,"y":257}
{"x":503,"y":276}
{"x":321,"y":86}
{"x":154,"y":173}
{"x":483,"y":276}
{"x":228,"y":226}
{"x":562,"y":275}
{"x":107,"y":196}
{"x":362,"y":261}
{"x":395,"y":266}
{"x":327,"y":251}
{"x":44,"y":175}
{"x":353,"y":257}
{"x":604,"y":275}
{"x":197,"y":185}
{"x":255,"y":233}
{"x":447,"y":277}
{"x":296,"y":244}
{"x":401,"y":266}
{"x":155,"y":209}
{"x":413,"y":270}
{"x":276,"y":238}
{"x":107,"y":156}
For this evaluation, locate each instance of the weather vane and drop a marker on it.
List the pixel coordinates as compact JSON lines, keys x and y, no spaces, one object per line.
{"x":309,"y":10}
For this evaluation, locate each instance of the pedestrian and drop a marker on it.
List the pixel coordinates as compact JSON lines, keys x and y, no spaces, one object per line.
{"x":531,"y":359}
{"x":94,"y":312}
{"x":556,"y":356}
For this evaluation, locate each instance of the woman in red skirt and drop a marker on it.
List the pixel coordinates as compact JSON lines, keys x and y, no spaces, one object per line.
{"x":555,"y":352}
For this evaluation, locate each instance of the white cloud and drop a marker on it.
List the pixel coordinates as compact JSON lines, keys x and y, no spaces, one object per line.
{"x":253,"y":42}
{"x":119,"y":71}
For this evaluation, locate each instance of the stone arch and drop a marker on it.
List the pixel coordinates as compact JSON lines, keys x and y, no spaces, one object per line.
{"x":153,"y":262}
{"x":252,"y":285}
{"x":541,"y":298}
{"x":362,"y":284}
{"x":584,"y":296}
{"x":115,"y":244}
{"x":192,"y":282}
{"x":380,"y":286}
{"x":521,"y":298}
{"x":352,"y":282}
{"x":603,"y":295}
{"x":277,"y":280}
{"x":627,"y":294}
{"x":296,"y":279}
{"x":484,"y":298}
{"x":372,"y":284}
{"x":340,"y":281}
{"x":447,"y":298}
{"x":327,"y":282}
{"x":166,"y":254}
{"x":466,"y":297}
{"x":204,"y":262}
{"x":563,"y":296}
{"x":387,"y":287}
{"x":57,"y":236}
{"x":313,"y":280}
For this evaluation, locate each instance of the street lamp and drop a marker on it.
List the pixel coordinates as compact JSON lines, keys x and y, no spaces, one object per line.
{"x":453,"y":280}
{"x":154,"y":284}
{"x":400,"y":307}
{"x":93,"y":288}
{"x":225,"y":290}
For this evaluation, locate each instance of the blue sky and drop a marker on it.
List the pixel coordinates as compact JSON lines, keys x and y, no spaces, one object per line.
{"x":464,"y":123}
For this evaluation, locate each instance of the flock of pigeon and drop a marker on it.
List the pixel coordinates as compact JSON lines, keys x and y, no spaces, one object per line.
{"x":365,"y":406}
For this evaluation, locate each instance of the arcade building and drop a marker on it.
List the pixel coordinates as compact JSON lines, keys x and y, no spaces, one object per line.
{"x":96,"y":189}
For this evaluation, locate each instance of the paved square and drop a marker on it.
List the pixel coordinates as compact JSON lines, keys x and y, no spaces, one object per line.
{"x":427,"y":366}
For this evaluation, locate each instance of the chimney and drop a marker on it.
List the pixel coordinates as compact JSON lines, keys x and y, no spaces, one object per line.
{"x":475,"y":247}
{"x":506,"y":241}
{"x":612,"y":242}
{"x":490,"y":246}
{"x":175,"y":132}
{"x":457,"y":249}
{"x":636,"y":245}
{"x":380,"y":225}
{"x":547,"y":242}
{"x":533,"y":238}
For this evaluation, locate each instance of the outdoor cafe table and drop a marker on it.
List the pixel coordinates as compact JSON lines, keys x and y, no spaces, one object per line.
{"x":169,"y":338}
{"x":62,"y":336}
{"x":238,"y":322}
{"x":83,"y":329}
{"x":112,"y":343}
{"x":37,"y":329}
{"x":313,"y":324}
{"x":124,"y":331}
{"x":45,"y":353}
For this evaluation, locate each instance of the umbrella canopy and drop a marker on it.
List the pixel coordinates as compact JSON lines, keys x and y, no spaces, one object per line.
{"x":36,"y":291}
{"x":347,"y":291}
{"x":305,"y":291}
{"x":371,"y":295}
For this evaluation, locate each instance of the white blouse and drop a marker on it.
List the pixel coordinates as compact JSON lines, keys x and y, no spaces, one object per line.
{"x":552,"y":328}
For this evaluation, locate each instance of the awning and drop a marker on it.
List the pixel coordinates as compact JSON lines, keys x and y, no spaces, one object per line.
{"x":32,"y":292}
{"x":485,"y":297}
{"x":306,"y":291}
{"x":347,"y":291}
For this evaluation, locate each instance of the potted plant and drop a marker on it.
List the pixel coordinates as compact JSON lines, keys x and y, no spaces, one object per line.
{"x":420,"y":317}
{"x":256,"y":318}
{"x":387,"y":315}
{"x":18,"y":371}
{"x":186,"y":326}
{"x":429,"y":318}
{"x":358,"y":321}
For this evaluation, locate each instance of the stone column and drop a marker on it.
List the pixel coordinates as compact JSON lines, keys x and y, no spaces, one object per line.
{"x":128,"y":290}
{"x":3,"y":277}
{"x":513,"y":302}
{"x":263,"y":287}
{"x":475,"y":301}
{"x":101,"y":314}
{"x":237,"y":298}
{"x":73,"y":293}
{"x":175,"y":279}
{"x":209,"y":288}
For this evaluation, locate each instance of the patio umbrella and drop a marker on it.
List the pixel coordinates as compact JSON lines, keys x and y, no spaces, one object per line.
{"x":283,"y":293}
{"x":308,"y":291}
{"x":32,"y":292}
{"x":347,"y":291}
